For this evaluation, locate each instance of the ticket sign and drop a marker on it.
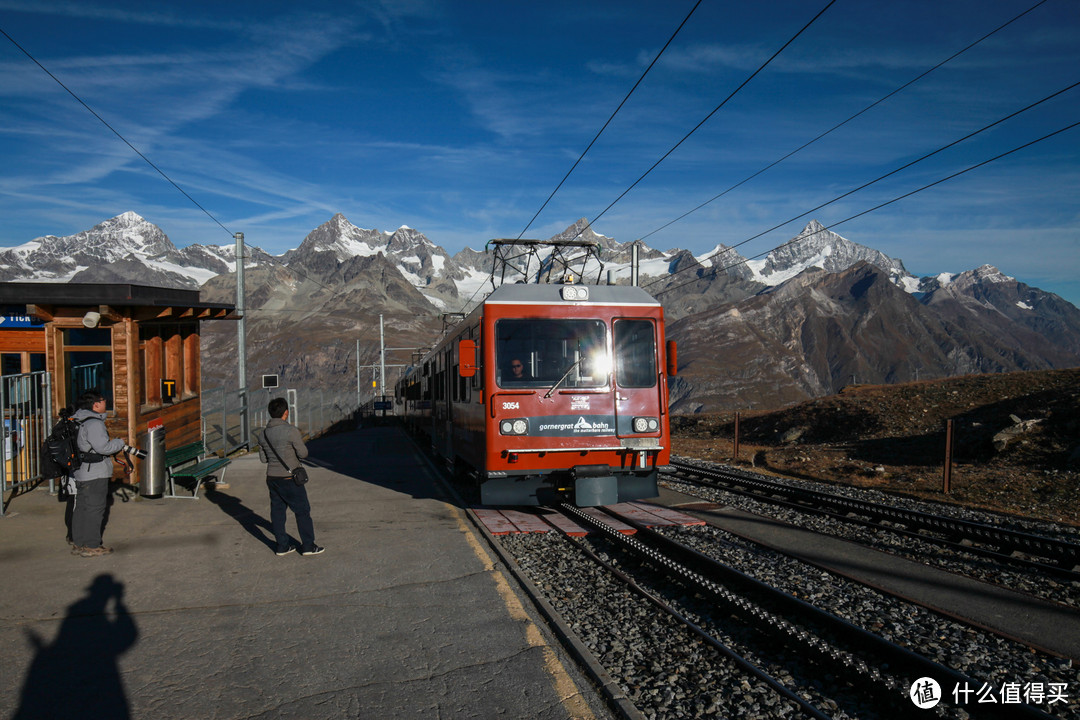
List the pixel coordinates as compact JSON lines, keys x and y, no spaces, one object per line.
{"x":168,"y":391}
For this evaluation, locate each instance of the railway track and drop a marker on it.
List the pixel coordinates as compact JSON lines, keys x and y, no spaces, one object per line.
{"x":1050,"y":555}
{"x":745,"y":648}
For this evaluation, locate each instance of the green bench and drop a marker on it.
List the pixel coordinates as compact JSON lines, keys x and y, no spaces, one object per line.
{"x":189,"y":462}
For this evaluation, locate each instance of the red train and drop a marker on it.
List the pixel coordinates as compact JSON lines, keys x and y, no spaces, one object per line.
{"x":550,"y":393}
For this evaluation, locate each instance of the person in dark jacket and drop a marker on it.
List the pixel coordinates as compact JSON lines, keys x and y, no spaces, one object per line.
{"x":92,"y":475}
{"x":282,"y":448}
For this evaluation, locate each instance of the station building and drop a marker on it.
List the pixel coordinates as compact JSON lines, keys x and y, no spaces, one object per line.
{"x":138,"y":345}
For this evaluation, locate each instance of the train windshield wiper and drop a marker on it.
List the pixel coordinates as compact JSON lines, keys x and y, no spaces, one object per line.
{"x":564,"y":376}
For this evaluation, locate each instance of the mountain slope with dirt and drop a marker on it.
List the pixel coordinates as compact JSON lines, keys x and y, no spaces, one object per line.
{"x":1016,"y":440}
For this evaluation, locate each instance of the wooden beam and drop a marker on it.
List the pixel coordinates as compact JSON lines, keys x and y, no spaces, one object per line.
{"x":45,"y":312}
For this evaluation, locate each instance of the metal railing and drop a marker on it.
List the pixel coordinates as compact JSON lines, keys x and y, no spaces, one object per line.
{"x":26,"y":402}
{"x":314,"y":410}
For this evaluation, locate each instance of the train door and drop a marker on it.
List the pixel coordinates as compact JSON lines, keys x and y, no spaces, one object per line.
{"x":637,"y":384}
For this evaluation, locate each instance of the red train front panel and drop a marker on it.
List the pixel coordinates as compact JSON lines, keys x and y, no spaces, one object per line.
{"x":575,"y":401}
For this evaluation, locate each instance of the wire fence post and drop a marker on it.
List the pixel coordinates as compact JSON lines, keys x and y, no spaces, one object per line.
{"x":735,"y":453}
{"x":946,"y":480}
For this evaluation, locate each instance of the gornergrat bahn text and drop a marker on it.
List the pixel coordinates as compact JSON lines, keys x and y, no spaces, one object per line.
{"x":549,"y":393}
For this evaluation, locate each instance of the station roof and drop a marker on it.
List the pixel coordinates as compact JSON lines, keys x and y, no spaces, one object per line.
{"x":146,"y":302}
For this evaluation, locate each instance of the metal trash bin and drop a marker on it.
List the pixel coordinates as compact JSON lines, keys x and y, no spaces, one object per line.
{"x":152,"y":482}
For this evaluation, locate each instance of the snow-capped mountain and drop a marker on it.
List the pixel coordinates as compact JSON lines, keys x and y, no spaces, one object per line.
{"x":817,"y":247}
{"x":804,"y":320}
{"x":126,"y":248}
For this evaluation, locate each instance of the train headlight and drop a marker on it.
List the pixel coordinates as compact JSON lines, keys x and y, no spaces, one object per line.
{"x":518,"y":426}
{"x":646,"y":424}
{"x":575,"y":292}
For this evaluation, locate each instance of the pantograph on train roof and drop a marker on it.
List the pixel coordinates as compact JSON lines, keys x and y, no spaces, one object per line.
{"x":554,"y":260}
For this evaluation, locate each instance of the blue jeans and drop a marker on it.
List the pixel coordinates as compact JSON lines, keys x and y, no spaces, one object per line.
{"x":284,"y":493}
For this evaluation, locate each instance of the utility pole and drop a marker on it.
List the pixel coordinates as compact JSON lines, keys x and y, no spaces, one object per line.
{"x":241,"y":331}
{"x":382,"y":359}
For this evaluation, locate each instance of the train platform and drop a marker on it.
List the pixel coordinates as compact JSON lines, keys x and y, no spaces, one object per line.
{"x":407,"y":614}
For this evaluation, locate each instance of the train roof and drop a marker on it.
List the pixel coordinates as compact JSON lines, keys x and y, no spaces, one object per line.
{"x":558,"y":294}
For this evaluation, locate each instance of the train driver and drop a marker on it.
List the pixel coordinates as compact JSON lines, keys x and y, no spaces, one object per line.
{"x":518,"y":372}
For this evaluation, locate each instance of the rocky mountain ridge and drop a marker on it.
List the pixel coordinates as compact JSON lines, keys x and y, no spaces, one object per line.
{"x":817,"y":313}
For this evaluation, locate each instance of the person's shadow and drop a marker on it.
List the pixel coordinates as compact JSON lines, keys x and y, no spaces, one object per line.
{"x":79,"y":673}
{"x":258,"y":526}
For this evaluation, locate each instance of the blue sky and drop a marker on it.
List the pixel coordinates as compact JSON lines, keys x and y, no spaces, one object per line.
{"x":459,"y":119}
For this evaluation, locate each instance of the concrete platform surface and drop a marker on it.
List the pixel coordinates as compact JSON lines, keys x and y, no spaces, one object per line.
{"x":407,"y":614}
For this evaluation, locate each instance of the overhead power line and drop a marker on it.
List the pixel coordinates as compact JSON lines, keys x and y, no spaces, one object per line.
{"x":733,"y":93}
{"x":902,"y":167}
{"x":867,"y":211}
{"x":845,"y":122}
{"x":601,"y":132}
{"x":115,"y":132}
{"x":150,"y":163}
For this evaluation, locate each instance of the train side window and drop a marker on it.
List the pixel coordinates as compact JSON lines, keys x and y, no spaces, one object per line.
{"x":635,"y":353}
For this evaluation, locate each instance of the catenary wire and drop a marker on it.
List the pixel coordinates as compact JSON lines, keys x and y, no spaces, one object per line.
{"x":845,"y":122}
{"x":115,"y":131}
{"x":896,"y":170}
{"x":696,"y":127}
{"x":593,"y":141}
{"x":734,"y":92}
{"x":151,"y":163}
{"x":716,"y":271}
{"x":602,"y":129}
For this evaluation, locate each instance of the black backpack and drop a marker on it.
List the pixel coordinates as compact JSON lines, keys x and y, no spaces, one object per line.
{"x":60,"y":452}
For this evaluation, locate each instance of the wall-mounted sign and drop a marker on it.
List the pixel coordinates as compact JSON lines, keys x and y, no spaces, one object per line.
{"x":20,"y":321}
{"x":168,"y":391}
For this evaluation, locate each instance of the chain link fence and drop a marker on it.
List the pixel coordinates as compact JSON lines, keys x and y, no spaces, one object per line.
{"x":315,"y":411}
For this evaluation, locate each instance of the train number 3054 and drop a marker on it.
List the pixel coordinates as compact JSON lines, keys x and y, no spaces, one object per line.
{"x":511,"y":406}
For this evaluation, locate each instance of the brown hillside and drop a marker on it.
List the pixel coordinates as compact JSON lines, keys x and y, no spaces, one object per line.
{"x":892,"y":438}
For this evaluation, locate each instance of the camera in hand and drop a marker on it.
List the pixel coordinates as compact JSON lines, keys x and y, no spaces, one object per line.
{"x":141,"y":454}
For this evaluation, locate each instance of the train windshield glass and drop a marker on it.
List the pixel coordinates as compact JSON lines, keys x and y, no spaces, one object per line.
{"x":541,"y":352}
{"x":635,"y":353}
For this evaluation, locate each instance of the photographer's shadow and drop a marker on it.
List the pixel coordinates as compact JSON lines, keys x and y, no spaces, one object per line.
{"x":256,"y":525}
{"x":79,"y":671}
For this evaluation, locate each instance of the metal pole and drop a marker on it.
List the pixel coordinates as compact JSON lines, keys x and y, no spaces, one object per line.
{"x":358,"y":373}
{"x":241,"y":342}
{"x":634,"y":264}
{"x":382,"y":360}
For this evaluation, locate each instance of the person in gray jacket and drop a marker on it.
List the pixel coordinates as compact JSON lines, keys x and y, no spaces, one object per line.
{"x":92,"y":475}
{"x":282,"y":448}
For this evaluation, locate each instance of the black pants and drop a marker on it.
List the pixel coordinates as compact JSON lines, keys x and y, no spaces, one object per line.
{"x":88,"y":515}
{"x":284,"y":493}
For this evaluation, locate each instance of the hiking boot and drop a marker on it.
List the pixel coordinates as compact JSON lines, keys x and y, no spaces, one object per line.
{"x":95,"y":552}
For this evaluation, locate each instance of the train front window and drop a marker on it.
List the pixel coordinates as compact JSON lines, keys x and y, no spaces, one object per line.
{"x":540,"y":352}
{"x":635,"y":353}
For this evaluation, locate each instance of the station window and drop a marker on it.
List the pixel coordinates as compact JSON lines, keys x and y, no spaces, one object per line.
{"x":88,"y":362}
{"x":168,"y":352}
